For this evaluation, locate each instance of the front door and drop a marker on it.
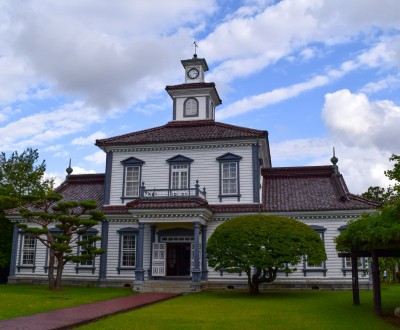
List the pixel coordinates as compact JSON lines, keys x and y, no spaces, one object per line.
{"x":178,"y":259}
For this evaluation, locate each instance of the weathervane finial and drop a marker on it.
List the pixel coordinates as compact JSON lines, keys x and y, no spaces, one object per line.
{"x":195,"y":45}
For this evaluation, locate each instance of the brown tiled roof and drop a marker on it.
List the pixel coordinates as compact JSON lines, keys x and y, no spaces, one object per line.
{"x":236,"y":208}
{"x":165,"y":203}
{"x":115,"y":209}
{"x":183,"y":131}
{"x":76,"y":188}
{"x":308,"y":188}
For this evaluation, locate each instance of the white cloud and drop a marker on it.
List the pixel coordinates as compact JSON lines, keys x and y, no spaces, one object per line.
{"x":89,"y":140}
{"x":97,"y":158}
{"x":272,"y":97}
{"x":45,"y":127}
{"x":388,"y":83}
{"x":359,"y":121}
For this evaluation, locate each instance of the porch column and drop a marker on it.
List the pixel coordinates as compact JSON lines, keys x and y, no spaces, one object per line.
{"x":196,"y":272}
{"x":139,"y":273}
{"x":376,"y":284}
{"x":152,"y":240}
{"x":13,"y":261}
{"x":204,"y":271}
{"x":103,"y":257}
{"x":354,"y":276}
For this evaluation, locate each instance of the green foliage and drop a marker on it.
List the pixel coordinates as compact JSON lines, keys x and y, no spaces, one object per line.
{"x":376,"y":194}
{"x":373,"y":231}
{"x":264,"y":242}
{"x":20,"y":175}
{"x":72,"y":219}
{"x":32,"y":299}
{"x":278,"y":310}
{"x":21,"y":180}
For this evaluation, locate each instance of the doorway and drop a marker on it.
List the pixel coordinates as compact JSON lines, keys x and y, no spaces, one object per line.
{"x":178,"y":259}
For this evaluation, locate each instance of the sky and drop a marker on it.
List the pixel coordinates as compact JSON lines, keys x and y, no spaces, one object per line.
{"x":316,"y":74}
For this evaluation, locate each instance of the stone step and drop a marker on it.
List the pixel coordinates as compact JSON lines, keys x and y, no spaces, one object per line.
{"x":169,"y":286}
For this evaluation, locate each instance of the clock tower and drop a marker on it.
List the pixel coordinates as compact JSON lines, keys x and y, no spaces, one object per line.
{"x":195,"y":99}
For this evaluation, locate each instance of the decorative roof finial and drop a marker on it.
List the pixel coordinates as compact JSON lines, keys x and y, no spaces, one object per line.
{"x":195,"y":45}
{"x":334,"y":161}
{"x":69,"y":168}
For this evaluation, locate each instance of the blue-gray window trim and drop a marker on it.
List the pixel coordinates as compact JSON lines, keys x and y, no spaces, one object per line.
{"x":131,"y":161}
{"x":256,"y":173}
{"x":122,"y":232}
{"x":320,"y":230}
{"x":107,"y":180}
{"x":46,"y":263}
{"x":363,"y":269}
{"x":178,"y":160}
{"x":184,"y":107}
{"x":229,"y":158}
{"x":21,"y":247}
{"x":207,"y":107}
{"x":174,"y":110}
{"x":78,"y":266}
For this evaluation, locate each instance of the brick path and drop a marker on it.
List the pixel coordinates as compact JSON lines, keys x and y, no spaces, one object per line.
{"x":73,"y":316}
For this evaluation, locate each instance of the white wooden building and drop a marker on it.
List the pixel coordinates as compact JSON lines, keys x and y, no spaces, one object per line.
{"x":166,"y":189}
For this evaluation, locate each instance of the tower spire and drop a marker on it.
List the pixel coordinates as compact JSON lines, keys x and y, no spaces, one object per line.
{"x":334,"y":161}
{"x":69,"y":169}
{"x":195,"y":45}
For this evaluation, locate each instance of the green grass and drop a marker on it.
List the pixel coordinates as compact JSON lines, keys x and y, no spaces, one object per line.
{"x":19,"y":300}
{"x":274,"y":310}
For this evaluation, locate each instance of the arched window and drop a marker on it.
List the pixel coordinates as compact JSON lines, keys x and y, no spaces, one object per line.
{"x":191,"y":107}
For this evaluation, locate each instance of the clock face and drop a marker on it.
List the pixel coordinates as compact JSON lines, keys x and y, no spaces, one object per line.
{"x":193,"y":73}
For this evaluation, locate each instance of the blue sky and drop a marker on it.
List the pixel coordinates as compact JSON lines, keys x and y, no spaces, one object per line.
{"x":316,"y":74}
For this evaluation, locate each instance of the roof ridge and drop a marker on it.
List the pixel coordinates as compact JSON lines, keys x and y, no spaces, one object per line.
{"x":101,"y":141}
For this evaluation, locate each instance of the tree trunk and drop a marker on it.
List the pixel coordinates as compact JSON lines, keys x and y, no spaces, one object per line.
{"x":60,"y":268}
{"x":50,"y":275}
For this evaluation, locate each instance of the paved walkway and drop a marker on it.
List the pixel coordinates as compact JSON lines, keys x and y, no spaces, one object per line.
{"x":73,"y":316}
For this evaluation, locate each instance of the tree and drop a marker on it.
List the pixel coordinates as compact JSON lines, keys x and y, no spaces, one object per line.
{"x":72,"y":220}
{"x":380,"y":230}
{"x":264,"y":244}
{"x":376,"y":194}
{"x":394,"y":174}
{"x":20,"y":177}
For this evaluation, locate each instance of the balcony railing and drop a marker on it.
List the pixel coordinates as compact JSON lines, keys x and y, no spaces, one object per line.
{"x":173,"y":193}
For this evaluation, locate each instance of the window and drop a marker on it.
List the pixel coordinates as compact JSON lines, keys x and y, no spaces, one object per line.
{"x":191,"y":107}
{"x":347,"y":262}
{"x":229,"y":176}
{"x":229,"y":179}
{"x":28,"y":252}
{"x":85,"y":249}
{"x":128,"y":253}
{"x":321,"y":267}
{"x":179,"y":176}
{"x":132,"y":177}
{"x":127,"y":249}
{"x":132,"y":181}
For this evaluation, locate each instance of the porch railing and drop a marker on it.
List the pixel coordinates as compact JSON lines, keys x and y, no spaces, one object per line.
{"x":173,"y":193}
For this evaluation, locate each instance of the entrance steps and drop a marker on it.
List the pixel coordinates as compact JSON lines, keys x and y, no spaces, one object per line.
{"x":168,"y":286}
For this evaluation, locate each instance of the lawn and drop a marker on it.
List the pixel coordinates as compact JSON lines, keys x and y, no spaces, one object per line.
{"x":19,"y":300}
{"x":276,"y":310}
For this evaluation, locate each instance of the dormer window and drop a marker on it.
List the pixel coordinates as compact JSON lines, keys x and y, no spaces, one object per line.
{"x":191,"y":107}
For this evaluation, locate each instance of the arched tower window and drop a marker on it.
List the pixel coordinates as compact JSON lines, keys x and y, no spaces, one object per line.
{"x":191,"y":107}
